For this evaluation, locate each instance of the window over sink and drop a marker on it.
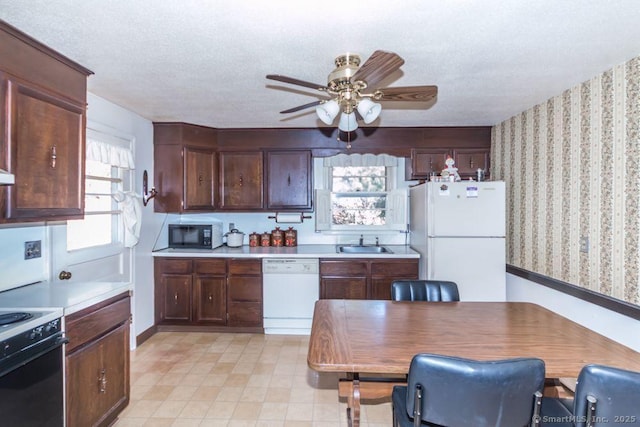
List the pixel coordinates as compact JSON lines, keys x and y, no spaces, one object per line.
{"x":360,"y":193}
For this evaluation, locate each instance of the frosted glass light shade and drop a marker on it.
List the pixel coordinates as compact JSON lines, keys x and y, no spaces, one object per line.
{"x":369,"y":110}
{"x":328,"y":111}
{"x":348,"y":122}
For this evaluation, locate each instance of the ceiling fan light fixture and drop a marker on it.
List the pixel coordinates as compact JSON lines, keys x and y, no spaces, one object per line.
{"x":369,"y":110}
{"x":328,"y":111}
{"x":348,"y":122}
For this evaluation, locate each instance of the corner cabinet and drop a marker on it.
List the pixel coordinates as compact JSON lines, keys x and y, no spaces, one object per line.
{"x":219,"y":293}
{"x":424,"y":162}
{"x":97,"y":363}
{"x":42,"y":115}
{"x":185,"y":168}
{"x":369,"y":278}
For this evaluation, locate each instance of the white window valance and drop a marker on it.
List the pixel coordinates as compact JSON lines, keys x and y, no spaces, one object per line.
{"x":110,"y":154}
{"x":360,"y":160}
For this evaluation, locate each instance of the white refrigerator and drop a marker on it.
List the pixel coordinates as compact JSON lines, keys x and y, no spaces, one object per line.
{"x":459,"y":230}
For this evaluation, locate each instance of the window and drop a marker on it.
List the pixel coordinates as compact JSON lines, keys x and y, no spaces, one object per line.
{"x":107,"y":173}
{"x":100,"y":224}
{"x":360,"y":193}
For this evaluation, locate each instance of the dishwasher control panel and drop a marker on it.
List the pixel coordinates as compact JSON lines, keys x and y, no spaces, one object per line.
{"x":290,"y":266}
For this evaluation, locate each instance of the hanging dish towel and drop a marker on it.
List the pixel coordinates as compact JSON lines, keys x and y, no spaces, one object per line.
{"x":131,"y":215}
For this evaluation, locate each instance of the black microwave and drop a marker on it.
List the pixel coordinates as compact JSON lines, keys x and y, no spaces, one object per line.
{"x":194,"y":236}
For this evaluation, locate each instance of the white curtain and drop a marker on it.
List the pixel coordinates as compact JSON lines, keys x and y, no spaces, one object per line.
{"x":110,"y":154}
{"x":360,"y":160}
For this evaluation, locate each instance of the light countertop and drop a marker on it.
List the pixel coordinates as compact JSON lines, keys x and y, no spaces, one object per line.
{"x":301,"y":251}
{"x":69,"y":297}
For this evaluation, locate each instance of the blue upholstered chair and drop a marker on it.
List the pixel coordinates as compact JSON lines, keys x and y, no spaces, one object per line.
{"x":604,"y":397}
{"x":451,"y":391}
{"x":424,"y":290}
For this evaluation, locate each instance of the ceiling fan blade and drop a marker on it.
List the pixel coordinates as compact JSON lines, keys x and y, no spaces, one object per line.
{"x":406,"y":93}
{"x":293,"y":81}
{"x":379,"y":66}
{"x":302,"y":107}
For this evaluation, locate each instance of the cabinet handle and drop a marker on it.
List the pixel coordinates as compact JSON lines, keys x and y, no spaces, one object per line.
{"x":241,"y":180}
{"x":200,"y":179}
{"x":289,"y":180}
{"x":471,"y":162}
{"x":210,"y":298}
{"x":54,"y":156}
{"x":175,"y":297}
{"x":64,"y":275}
{"x":102,"y":381}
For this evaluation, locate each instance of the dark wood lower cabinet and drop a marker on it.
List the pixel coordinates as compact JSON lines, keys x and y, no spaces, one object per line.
{"x":213,"y":292}
{"x":363,"y":278}
{"x":97,"y":363}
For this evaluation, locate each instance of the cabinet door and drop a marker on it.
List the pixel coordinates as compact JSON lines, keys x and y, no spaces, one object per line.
{"x":468,"y":161}
{"x":47,"y":155}
{"x":199,"y":182}
{"x":210,"y":299}
{"x":424,"y":162}
{"x":241,"y":180}
{"x":177,"y":297}
{"x":289,"y":180}
{"x":97,"y":377}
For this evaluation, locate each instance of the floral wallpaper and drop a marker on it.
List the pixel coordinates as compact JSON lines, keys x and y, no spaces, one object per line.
{"x":572,"y":172}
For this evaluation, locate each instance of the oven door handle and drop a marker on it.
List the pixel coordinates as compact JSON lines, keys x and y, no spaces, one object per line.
{"x":19,"y":359}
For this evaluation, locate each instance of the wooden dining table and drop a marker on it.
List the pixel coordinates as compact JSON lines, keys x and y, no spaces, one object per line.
{"x":372,"y":342}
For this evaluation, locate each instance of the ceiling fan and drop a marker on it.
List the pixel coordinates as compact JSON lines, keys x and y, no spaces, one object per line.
{"x":352,"y":88}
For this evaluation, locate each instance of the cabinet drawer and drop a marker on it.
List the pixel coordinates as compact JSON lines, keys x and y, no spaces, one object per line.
{"x":245,"y":314}
{"x":94,"y":321}
{"x":394,"y":268}
{"x":175,"y":266}
{"x":343,"y":268}
{"x":245,"y":266}
{"x":209,"y":266}
{"x":245,"y":289}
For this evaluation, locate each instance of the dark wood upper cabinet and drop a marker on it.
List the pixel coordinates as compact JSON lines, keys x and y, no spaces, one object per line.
{"x":425,"y":161}
{"x":199,"y":179}
{"x":241,"y":180}
{"x":42,"y":130}
{"x":289,"y":180}
{"x":468,"y":161}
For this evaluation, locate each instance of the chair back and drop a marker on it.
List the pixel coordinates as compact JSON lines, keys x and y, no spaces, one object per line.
{"x":469,"y":393}
{"x":607,"y":396}
{"x":424,"y":290}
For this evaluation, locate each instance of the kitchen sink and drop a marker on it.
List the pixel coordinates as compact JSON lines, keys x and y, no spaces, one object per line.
{"x":362,"y":249}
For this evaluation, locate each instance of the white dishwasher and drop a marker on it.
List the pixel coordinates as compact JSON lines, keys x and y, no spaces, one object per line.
{"x":291,"y":287}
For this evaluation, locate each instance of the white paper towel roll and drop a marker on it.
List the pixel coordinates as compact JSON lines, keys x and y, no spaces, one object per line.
{"x":291,"y":218}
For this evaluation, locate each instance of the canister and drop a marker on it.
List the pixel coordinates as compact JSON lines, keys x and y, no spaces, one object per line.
{"x":254,"y":239}
{"x":265,"y":239}
{"x":290,"y":237}
{"x":277,"y":237}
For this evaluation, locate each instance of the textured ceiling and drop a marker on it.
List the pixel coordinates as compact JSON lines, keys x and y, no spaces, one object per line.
{"x":204,"y":62}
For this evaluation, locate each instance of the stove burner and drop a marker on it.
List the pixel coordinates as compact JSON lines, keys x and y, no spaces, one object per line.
{"x":8,"y":318}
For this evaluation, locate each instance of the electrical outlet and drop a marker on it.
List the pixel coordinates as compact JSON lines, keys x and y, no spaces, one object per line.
{"x":33,"y":249}
{"x":584,"y":244}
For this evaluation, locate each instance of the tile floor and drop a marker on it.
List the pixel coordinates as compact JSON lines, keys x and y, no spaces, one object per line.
{"x":215,"y":379}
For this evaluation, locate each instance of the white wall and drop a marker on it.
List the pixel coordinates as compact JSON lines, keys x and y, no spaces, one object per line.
{"x":622,"y":329}
{"x":14,"y":269}
{"x":124,"y":121}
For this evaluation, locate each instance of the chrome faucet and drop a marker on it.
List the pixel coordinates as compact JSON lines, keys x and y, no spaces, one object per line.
{"x":361,"y":241}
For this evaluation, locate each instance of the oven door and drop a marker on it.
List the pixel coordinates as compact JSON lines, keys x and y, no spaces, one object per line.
{"x":31,"y":386}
